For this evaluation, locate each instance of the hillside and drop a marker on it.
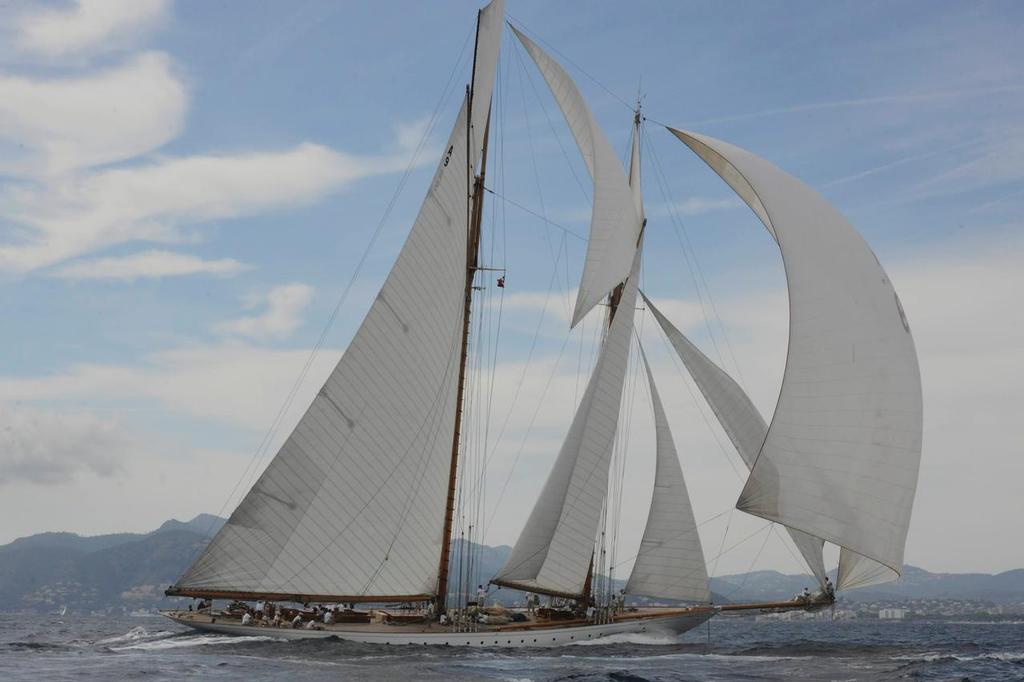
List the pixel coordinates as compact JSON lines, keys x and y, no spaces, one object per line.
{"x":127,"y":570}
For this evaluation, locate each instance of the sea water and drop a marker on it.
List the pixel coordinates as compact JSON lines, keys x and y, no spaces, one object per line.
{"x":733,"y":648}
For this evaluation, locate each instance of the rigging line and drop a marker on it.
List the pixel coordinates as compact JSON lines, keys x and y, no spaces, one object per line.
{"x":533,"y":155}
{"x":800,"y":564}
{"x":757,"y":556}
{"x":529,"y":428}
{"x":673,"y":219}
{"x":529,"y":360}
{"x":549,"y":222}
{"x":523,"y":27}
{"x":728,"y":522}
{"x":732,"y":547}
{"x":700,"y":269}
{"x":264,"y":443}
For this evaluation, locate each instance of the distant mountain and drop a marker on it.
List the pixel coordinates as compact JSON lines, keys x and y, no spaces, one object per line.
{"x":46,"y":571}
{"x":130,"y":570}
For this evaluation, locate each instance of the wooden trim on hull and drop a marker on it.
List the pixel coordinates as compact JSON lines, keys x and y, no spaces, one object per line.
{"x":299,"y":598}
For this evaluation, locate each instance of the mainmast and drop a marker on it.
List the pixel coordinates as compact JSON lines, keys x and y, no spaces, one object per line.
{"x":474,"y":216}
{"x":616,"y":294}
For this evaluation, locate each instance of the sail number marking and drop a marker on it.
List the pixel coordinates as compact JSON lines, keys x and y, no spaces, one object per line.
{"x":448,"y":155}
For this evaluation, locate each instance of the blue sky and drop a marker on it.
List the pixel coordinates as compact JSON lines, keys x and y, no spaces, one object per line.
{"x":186,"y":189}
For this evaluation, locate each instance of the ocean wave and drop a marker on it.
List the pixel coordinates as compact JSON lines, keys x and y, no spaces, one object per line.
{"x":936,"y":656}
{"x":191,"y":641}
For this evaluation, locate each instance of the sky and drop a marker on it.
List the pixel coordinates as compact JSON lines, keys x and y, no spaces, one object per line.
{"x":189,"y":189}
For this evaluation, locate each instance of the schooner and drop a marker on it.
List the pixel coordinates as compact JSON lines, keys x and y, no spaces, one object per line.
{"x":357,"y":506}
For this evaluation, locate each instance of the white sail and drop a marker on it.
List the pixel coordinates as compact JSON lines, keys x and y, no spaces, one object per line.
{"x":670,"y":562}
{"x":615,"y":221}
{"x":739,"y":418}
{"x":555,"y":547}
{"x":841,"y":457}
{"x":353,"y":504}
{"x":490,"y":23}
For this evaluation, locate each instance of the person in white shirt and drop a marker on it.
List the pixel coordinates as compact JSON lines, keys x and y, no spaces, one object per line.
{"x":328,"y":616}
{"x":246,"y":618}
{"x":296,"y":622}
{"x":481,"y":596}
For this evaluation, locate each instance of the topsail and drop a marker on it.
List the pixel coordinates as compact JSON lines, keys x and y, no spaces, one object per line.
{"x":615,"y":221}
{"x":841,"y":457}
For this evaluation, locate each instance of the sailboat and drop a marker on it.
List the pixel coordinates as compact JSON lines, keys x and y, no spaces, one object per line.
{"x":355,"y":512}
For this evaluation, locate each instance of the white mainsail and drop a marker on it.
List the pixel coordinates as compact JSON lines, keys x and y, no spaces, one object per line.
{"x":615,"y":222}
{"x":842,"y":454}
{"x":353,"y":504}
{"x":670,"y":562}
{"x":554,"y":550}
{"x":739,"y":417}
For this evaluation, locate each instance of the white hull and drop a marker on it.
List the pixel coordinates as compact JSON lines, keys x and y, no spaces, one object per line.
{"x":532,"y":637}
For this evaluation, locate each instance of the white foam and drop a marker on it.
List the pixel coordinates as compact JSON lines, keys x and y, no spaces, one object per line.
{"x":198,"y":640}
{"x":136,"y":634}
{"x":630,"y":638}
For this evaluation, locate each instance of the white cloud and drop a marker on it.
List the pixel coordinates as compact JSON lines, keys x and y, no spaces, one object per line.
{"x":234,"y":383}
{"x":88,"y":25}
{"x":282,"y":314}
{"x":78,"y":214}
{"x":41,"y":446}
{"x":51,"y":126}
{"x":152,"y":263}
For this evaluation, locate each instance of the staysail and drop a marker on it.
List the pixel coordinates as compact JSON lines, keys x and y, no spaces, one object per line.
{"x":615,"y":221}
{"x":353,"y":504}
{"x":553,"y":552}
{"x":670,"y":562}
{"x":842,"y":453}
{"x":739,"y":417}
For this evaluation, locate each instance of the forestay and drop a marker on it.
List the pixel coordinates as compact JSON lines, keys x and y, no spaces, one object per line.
{"x":554,"y":550}
{"x":841,"y":457}
{"x":740,"y":419}
{"x":670,"y":562}
{"x":353,"y":503}
{"x":615,"y":221}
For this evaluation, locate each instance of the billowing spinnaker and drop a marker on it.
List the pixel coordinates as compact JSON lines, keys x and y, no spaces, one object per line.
{"x":615,"y":221}
{"x":841,"y":457}
{"x":740,"y":419}
{"x":670,"y":562}
{"x":555,"y":547}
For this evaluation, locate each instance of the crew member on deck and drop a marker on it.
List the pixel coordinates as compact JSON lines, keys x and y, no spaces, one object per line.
{"x":481,"y":596}
{"x":830,"y":590}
